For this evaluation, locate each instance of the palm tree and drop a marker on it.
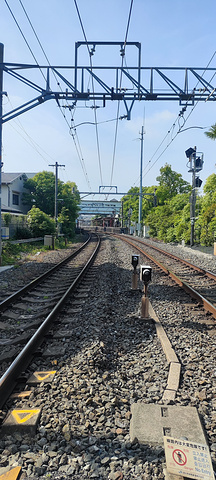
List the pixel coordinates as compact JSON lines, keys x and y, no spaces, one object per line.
{"x":212,"y":132}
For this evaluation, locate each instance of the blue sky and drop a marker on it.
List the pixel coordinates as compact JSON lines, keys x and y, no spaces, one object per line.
{"x":172,"y":34}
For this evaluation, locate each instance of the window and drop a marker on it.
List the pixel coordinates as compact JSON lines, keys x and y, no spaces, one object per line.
{"x":15,"y":199}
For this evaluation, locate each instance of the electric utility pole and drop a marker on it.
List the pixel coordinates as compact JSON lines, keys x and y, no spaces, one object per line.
{"x":56,"y":193}
{"x":140,"y":193}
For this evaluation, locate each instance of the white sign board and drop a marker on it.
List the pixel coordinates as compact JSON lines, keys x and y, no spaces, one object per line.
{"x":99,"y":208}
{"x":188,"y":459}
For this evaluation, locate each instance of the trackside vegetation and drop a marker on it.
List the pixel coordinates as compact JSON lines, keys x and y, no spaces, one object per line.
{"x":169,"y":221}
{"x":40,"y":195}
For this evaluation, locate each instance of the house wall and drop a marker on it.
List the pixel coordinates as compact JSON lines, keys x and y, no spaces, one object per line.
{"x":12,"y":195}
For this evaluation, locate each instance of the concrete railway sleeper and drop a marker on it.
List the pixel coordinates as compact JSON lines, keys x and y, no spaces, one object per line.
{"x":9,"y":378}
{"x":201,"y":286}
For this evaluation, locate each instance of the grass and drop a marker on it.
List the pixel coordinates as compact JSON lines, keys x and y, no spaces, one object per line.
{"x":13,"y":254}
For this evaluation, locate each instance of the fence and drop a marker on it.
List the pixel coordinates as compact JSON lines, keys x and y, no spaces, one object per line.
{"x":14,"y":222}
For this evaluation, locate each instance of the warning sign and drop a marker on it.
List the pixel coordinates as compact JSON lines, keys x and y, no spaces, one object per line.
{"x":188,"y":459}
{"x":179,"y":457}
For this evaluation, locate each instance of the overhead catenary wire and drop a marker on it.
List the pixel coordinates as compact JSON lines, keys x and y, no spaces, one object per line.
{"x":174,"y":124}
{"x":24,"y":38}
{"x":120,"y":84}
{"x":77,"y":144}
{"x":95,"y":114}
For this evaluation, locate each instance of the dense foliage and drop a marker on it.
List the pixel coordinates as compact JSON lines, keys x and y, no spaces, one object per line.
{"x":41,"y":194}
{"x":40,"y":223}
{"x":169,"y":221}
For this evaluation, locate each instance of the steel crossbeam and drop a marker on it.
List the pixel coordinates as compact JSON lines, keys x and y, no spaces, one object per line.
{"x":110,"y":83}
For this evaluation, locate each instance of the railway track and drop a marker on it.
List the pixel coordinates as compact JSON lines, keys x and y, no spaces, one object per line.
{"x":108,"y":358}
{"x":27,"y":315}
{"x":198,"y":282}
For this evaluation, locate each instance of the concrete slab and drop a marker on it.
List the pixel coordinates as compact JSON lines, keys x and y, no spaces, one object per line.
{"x":53,"y":352}
{"x":39,"y":377}
{"x":169,"y":395}
{"x":64,"y":334}
{"x":24,"y":394}
{"x":166,"y":345}
{"x":174,"y":376}
{"x":11,"y":314}
{"x":10,"y":355}
{"x":13,"y":474}
{"x":24,"y":420}
{"x":150,"y":423}
{"x":74,"y":310}
{"x":7,"y":267}
{"x":170,"y":476}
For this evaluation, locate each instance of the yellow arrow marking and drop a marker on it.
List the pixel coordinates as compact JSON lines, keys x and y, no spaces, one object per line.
{"x":43,"y":375}
{"x":11,"y":475}
{"x":22,"y":416}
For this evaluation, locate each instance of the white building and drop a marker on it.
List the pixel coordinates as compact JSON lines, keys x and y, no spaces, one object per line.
{"x":12,"y":189}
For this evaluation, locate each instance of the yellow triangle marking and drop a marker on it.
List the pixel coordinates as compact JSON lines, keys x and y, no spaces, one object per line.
{"x":11,"y":475}
{"x":44,"y":375}
{"x":22,"y":416}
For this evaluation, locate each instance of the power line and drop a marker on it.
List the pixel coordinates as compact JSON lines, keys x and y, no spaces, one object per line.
{"x":80,"y":156}
{"x":17,"y":24}
{"x":95,"y":114}
{"x":181,"y":114}
{"x":118,"y":107}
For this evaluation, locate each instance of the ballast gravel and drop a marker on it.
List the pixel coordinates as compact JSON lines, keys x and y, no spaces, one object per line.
{"x":112,"y":360}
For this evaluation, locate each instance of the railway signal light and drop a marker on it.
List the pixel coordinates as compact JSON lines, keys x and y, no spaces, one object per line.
{"x":190,"y":152}
{"x":198,"y":182}
{"x":145,"y":274}
{"x":135,"y":261}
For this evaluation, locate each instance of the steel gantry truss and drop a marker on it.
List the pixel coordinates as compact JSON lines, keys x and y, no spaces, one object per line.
{"x":128,"y":84}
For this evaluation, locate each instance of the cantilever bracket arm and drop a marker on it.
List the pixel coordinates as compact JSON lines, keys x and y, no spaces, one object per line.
{"x":25,"y":107}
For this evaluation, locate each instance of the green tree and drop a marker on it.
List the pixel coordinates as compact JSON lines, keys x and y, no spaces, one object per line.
{"x":131,"y":201}
{"x":212,"y":132}
{"x":69,"y":208}
{"x":208,"y":225}
{"x":207,"y":218}
{"x":42,"y":195}
{"x":171,"y":183}
{"x":166,"y":221}
{"x":40,"y":223}
{"x":41,"y":192}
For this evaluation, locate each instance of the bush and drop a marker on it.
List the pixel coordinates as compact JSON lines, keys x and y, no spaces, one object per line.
{"x":40,"y":223}
{"x":7,"y":219}
{"x":22,"y":232}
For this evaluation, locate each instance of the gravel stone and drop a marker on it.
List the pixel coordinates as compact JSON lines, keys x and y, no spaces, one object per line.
{"x":112,"y":360}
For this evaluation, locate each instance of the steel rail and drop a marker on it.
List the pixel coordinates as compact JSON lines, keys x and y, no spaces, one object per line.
{"x":208,"y":306}
{"x":9,"y":379}
{"x":9,"y":300}
{"x":171,"y":255}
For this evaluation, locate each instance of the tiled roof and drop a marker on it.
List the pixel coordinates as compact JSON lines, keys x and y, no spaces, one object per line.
{"x":10,"y":177}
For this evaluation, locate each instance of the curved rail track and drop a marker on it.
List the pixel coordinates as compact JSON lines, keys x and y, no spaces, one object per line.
{"x":199,"y":283}
{"x":46,"y":296}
